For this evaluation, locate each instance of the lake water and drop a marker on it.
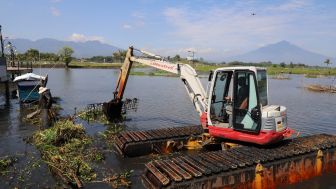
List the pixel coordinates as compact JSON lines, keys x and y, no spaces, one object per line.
{"x":163,"y":103}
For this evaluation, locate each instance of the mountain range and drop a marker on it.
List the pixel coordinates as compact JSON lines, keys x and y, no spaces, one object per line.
{"x":82,"y":49}
{"x":282,"y":51}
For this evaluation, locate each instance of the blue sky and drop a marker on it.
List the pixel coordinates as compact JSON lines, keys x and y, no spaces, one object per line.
{"x":214,"y":29}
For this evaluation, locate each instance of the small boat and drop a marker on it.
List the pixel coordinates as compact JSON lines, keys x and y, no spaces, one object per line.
{"x":28,"y":85}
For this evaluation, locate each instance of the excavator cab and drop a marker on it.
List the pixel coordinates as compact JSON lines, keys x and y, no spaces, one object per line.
{"x":235,"y":100}
{"x":238,"y":106}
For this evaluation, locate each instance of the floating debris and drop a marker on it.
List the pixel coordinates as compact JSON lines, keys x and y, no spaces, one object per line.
{"x":321,"y":88}
{"x":119,"y":180}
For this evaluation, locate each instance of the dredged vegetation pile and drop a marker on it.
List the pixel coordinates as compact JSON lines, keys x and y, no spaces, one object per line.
{"x":65,"y":147}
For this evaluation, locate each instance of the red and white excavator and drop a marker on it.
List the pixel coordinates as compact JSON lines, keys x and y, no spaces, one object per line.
{"x":235,"y":105}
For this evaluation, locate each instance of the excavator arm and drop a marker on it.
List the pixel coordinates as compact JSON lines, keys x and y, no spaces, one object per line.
{"x":187,"y":74}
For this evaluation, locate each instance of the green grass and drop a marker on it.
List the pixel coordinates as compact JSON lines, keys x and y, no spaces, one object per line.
{"x":300,"y":70}
{"x":138,"y":73}
{"x":76,"y":64}
{"x":311,"y":71}
{"x":94,"y":65}
{"x":205,"y":67}
{"x":154,"y":73}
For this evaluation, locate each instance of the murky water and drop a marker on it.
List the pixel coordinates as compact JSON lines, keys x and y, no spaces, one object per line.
{"x":163,"y":103}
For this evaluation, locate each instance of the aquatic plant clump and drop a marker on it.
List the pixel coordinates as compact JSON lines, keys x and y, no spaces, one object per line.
{"x":5,"y":163}
{"x":93,"y":115}
{"x":111,"y":132}
{"x":64,"y":148}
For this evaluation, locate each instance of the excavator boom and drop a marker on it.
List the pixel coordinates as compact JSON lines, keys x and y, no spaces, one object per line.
{"x":187,"y":74}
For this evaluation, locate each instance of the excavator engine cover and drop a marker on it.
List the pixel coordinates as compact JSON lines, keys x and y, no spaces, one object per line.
{"x":113,"y":109}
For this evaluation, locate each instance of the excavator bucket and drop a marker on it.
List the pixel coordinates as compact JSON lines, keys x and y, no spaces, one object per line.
{"x":113,"y":110}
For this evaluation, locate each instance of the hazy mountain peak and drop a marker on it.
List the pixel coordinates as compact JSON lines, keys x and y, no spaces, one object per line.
{"x":82,"y":49}
{"x":282,"y":51}
{"x":284,"y":42}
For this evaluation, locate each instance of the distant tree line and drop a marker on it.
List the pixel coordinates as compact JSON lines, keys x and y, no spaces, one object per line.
{"x":177,"y":58}
{"x":65,"y":55}
{"x":266,"y":64}
{"x":118,"y":56}
{"x":33,"y":55}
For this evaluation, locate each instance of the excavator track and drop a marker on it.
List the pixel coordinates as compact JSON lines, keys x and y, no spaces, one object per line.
{"x":291,"y":161}
{"x":136,"y":143}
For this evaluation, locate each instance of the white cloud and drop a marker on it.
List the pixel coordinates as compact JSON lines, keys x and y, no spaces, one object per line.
{"x":55,"y":11}
{"x":139,"y":15}
{"x":127,"y":26}
{"x":291,"y":5}
{"x":56,"y":1}
{"x":83,"y":38}
{"x":136,"y":24}
{"x":137,"y":21}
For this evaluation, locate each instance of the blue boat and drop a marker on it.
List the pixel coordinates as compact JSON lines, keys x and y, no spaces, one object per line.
{"x":28,"y":86}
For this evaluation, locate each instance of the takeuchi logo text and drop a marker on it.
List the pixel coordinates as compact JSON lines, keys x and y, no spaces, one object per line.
{"x":163,"y":65}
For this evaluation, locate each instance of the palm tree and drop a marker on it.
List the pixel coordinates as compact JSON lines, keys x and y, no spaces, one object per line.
{"x":328,"y":62}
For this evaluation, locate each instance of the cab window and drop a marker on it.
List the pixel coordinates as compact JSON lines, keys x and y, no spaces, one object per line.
{"x":219,"y":93}
{"x":246,"y":104}
{"x":262,"y":86}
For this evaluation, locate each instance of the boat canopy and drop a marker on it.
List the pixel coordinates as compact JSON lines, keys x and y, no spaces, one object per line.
{"x":29,"y":76}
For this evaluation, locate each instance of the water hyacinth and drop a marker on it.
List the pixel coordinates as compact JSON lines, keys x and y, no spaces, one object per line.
{"x":64,"y":147}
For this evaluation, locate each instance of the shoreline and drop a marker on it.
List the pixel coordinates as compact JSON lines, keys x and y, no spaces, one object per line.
{"x":200,"y":68}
